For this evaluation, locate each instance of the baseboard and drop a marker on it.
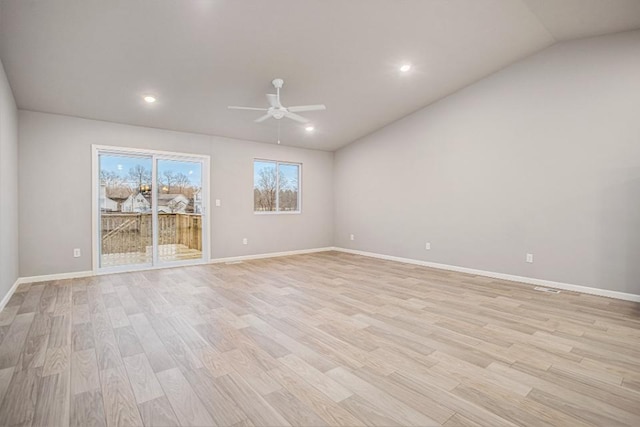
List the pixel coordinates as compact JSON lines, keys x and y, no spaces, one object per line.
{"x":9,"y":294}
{"x":59,"y":276}
{"x":269,"y":255}
{"x":519,"y":279}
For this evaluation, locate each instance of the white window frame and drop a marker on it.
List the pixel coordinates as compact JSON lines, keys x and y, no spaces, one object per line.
{"x":278,"y":163}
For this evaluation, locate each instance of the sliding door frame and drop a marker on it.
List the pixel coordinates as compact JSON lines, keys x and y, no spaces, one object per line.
{"x":154,"y":155}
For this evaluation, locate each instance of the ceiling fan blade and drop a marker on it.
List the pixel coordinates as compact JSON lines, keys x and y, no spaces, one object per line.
{"x":246,"y":108}
{"x":262,"y":119}
{"x":273,"y":100}
{"x":300,"y":108}
{"x":296,"y":117}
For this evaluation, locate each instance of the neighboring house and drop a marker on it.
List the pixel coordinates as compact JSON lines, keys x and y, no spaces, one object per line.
{"x":197,"y":202}
{"x":136,"y":203}
{"x":107,"y":204}
{"x":172,"y":203}
{"x":167,"y":203}
{"x":119,"y":201}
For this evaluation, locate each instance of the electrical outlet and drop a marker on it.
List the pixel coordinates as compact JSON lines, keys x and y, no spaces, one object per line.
{"x":530,"y":258}
{"x":427,"y":246}
{"x":352,"y":237}
{"x":76,"y":253}
{"x":245,"y":241}
{"x":217,"y":202}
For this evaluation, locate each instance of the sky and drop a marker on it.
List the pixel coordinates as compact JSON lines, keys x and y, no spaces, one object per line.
{"x":122,"y":164}
{"x":289,"y":171}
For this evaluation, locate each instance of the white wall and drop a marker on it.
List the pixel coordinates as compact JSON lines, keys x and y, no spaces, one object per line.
{"x":8,"y":186}
{"x":542,"y":157}
{"x":55,"y":190}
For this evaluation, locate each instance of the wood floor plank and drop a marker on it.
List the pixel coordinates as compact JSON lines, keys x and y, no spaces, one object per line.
{"x":57,"y":360}
{"x":186,"y":404}
{"x":80,"y":314}
{"x":19,"y":404}
{"x":118,"y":317}
{"x":458,"y":420}
{"x":248,"y":367}
{"x":5,"y":379}
{"x":418,"y":401}
{"x":181,"y":353}
{"x":368,"y":412}
{"x":63,"y":298}
{"x":127,"y":340}
{"x":87,"y":410}
{"x":394,"y":408}
{"x":41,"y":324}
{"x":143,"y":381}
{"x":32,"y":299}
{"x":158,"y":413}
{"x":60,"y":335}
{"x":316,"y":378}
{"x":34,"y":352}
{"x":16,"y":300}
{"x":119,"y":402}
{"x":53,"y":400}
{"x":82,"y":337}
{"x":325,"y":407}
{"x":14,"y":340}
{"x":107,"y":349}
{"x":220,"y":405}
{"x":7,"y":315}
{"x":250,"y":401}
{"x":84,"y":371}
{"x":153,"y":347}
{"x":292,"y":409}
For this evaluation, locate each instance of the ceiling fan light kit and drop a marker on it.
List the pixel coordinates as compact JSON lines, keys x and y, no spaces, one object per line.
{"x":277,"y":111}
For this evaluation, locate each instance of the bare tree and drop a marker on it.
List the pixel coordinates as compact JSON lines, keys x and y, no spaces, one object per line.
{"x":182,"y":182}
{"x":115,"y":185}
{"x":267,"y":186}
{"x":110,"y":179}
{"x":169,"y":179}
{"x":139,"y":175}
{"x":264,"y":193}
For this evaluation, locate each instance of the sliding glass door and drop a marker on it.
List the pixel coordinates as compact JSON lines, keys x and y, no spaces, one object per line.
{"x":179,"y":210}
{"x":149,"y":209}
{"x":125,"y":210}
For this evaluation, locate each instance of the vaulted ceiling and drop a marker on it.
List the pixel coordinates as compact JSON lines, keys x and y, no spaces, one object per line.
{"x":97,"y":59}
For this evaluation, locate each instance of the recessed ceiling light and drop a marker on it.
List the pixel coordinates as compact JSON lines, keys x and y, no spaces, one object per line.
{"x":406,"y":67}
{"x":150,"y":99}
{"x":309,"y":128}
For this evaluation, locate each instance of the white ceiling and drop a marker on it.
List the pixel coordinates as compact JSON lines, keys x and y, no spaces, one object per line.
{"x":96,"y":59}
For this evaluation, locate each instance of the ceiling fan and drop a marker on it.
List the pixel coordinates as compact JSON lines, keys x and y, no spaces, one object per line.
{"x":277,"y":110}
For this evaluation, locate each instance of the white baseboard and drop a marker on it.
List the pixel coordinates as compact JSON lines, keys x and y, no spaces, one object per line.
{"x":269,"y":255}
{"x":9,"y":294}
{"x":502,"y":276}
{"x":59,"y":276}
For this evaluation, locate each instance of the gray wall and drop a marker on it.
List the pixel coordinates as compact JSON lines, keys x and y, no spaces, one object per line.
{"x":8,"y":186}
{"x":55,"y":191}
{"x":542,"y":157}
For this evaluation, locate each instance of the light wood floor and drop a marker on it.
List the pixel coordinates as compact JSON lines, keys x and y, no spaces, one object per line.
{"x":320,"y":339}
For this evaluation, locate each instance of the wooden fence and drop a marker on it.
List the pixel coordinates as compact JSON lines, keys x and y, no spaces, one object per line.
{"x":132,"y":232}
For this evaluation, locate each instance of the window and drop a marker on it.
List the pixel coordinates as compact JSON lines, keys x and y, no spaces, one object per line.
{"x":276,"y":187}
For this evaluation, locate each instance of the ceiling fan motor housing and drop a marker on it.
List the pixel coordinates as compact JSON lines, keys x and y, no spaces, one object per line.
{"x":278,"y":114}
